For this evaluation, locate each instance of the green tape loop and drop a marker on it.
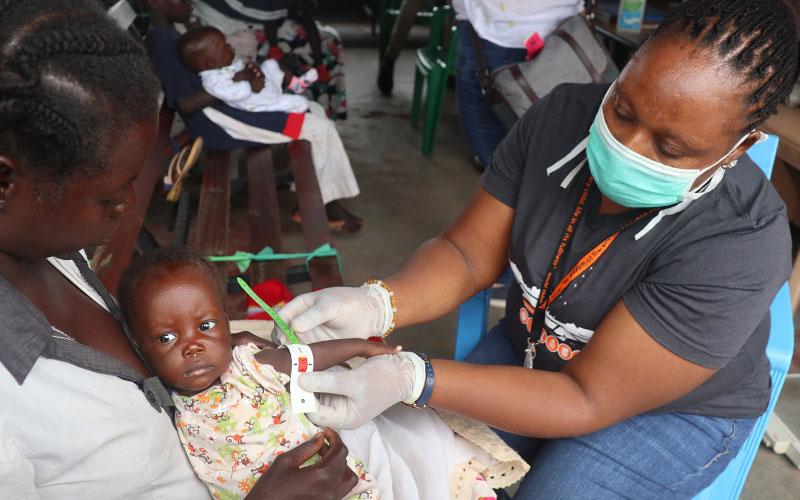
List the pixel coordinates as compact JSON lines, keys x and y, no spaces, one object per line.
{"x":272,"y":314}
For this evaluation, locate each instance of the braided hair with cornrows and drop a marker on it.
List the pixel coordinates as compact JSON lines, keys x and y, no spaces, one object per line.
{"x":71,"y":81}
{"x":757,"y":39}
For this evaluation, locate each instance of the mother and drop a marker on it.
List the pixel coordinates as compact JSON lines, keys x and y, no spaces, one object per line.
{"x":82,"y":414}
{"x":645,"y":264}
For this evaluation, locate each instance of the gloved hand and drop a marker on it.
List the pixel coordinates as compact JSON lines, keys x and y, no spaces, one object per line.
{"x":350,"y":398}
{"x":335,"y":313}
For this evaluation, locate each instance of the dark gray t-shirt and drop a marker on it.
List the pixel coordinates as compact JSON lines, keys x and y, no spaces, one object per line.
{"x":700,"y":281}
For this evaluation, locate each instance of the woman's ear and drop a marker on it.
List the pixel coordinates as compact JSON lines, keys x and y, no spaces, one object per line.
{"x":8,"y":180}
{"x":742,"y":148}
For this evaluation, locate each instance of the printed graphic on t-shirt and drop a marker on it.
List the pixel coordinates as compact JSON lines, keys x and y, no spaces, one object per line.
{"x":561,"y":338}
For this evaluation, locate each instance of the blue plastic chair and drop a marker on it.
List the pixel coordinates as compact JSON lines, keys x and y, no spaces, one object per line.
{"x":472,"y":317}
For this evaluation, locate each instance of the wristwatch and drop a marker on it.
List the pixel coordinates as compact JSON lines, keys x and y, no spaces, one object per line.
{"x":425,"y":396}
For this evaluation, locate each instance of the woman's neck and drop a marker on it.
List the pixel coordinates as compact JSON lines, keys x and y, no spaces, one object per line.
{"x":610,"y":207}
{"x":18,"y":271}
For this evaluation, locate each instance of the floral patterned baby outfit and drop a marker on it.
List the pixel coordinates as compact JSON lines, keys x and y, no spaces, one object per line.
{"x":233,"y":431}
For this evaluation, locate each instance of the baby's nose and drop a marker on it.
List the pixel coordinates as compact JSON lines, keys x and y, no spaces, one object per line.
{"x":193,"y":349}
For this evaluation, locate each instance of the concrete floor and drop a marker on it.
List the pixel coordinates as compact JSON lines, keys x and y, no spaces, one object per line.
{"x":406,"y":199}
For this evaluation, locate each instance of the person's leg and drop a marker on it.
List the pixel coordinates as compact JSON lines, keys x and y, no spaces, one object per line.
{"x":402,"y":25}
{"x":648,"y":456}
{"x":483,"y":129}
{"x":334,"y":173}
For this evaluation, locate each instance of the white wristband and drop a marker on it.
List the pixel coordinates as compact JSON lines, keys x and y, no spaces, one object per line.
{"x":303,"y":401}
{"x":419,"y":376}
{"x":380,"y":293}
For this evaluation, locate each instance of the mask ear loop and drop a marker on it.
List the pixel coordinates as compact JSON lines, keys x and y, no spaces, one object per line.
{"x":761,"y":138}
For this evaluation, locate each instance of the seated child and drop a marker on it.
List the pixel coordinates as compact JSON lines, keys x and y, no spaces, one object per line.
{"x":241,"y":85}
{"x":234,"y":415}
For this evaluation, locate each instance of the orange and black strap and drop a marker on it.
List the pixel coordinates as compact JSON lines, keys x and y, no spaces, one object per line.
{"x":546,"y":295}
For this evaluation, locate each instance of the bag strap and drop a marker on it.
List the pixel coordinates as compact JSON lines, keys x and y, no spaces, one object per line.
{"x":523,"y":83}
{"x":480,"y":61}
{"x":587,"y":62}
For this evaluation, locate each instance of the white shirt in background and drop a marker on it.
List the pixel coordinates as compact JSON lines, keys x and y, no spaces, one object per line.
{"x":509,"y":23}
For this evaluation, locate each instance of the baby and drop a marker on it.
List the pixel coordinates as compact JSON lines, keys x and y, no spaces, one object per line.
{"x":234,"y":415}
{"x":241,"y":85}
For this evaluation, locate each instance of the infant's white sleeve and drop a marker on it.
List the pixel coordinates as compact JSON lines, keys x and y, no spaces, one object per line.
{"x":17,"y":478}
{"x":220,"y":84}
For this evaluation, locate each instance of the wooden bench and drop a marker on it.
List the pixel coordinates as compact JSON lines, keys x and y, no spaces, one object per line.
{"x":211,"y":231}
{"x":213,"y":214}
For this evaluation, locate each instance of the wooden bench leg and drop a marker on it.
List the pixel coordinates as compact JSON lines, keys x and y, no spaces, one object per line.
{"x":265,"y":222}
{"x":211,"y":233}
{"x":324,"y":271}
{"x":111,"y":259}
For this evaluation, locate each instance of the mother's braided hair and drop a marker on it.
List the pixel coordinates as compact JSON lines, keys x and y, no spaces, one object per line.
{"x":758,"y":39}
{"x":71,"y":80}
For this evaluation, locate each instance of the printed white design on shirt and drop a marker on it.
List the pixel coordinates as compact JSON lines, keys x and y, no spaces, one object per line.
{"x":562,"y":330}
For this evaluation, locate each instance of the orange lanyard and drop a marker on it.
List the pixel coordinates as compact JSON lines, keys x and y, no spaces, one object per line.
{"x":546,"y":296}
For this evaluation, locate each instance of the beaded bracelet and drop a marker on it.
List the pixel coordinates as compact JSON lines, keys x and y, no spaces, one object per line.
{"x":393,"y":302}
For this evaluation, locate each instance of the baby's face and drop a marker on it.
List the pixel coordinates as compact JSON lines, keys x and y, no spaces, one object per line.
{"x":219,"y":52}
{"x":182,"y":330}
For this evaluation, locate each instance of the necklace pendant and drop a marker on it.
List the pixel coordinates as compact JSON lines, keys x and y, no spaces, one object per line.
{"x":530,"y":354}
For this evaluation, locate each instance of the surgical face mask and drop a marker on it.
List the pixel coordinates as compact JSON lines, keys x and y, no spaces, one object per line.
{"x":633,"y":180}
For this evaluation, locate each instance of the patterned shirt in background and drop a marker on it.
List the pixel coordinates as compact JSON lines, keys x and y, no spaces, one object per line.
{"x":233,"y":431}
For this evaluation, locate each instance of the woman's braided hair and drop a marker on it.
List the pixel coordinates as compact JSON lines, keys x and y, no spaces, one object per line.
{"x":757,"y":39}
{"x":70,"y":81}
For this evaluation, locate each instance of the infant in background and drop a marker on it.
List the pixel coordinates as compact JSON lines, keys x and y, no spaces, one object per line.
{"x":234,"y":415}
{"x":238,"y":84}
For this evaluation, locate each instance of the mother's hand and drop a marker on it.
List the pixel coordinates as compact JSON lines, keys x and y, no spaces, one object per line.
{"x":335,"y":313}
{"x":328,"y":479}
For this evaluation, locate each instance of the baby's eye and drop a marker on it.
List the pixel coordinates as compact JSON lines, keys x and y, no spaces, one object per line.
{"x":166,"y":338}
{"x":207,"y":325}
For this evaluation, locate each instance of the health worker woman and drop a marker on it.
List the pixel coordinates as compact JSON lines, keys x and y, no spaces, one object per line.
{"x":647,"y":248}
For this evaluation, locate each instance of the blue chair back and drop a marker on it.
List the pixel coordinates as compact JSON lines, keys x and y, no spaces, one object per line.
{"x":472,"y":326}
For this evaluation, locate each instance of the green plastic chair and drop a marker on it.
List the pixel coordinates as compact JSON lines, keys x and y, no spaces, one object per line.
{"x":434,"y":63}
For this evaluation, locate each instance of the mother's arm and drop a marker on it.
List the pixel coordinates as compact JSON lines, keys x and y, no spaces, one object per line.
{"x":195,"y":101}
{"x":620,"y":373}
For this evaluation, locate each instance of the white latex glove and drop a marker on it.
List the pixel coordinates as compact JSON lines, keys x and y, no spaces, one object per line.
{"x":335,"y":313}
{"x":351,"y":398}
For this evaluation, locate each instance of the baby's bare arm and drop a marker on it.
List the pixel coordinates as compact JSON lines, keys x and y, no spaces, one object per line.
{"x":326,"y":354}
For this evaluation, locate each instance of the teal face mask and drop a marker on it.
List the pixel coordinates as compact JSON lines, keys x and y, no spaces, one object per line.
{"x":633,"y":180}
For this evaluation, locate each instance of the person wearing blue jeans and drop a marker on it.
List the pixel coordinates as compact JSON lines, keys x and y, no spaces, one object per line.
{"x":483,"y":128}
{"x":646,"y":248}
{"x":671,"y":446}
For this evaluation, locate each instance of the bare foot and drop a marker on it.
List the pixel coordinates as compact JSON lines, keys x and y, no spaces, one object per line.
{"x":337,"y":213}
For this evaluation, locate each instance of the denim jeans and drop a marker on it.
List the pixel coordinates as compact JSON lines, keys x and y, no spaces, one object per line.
{"x":669,"y":455}
{"x":483,"y":129}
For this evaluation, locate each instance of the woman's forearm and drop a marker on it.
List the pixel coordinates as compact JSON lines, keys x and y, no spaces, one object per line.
{"x":602,"y":385}
{"x":450,"y":268}
{"x":433,"y":282}
{"x":519,"y":400}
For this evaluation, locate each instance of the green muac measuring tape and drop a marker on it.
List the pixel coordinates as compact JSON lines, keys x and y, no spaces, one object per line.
{"x":272,"y":313}
{"x":303,"y":401}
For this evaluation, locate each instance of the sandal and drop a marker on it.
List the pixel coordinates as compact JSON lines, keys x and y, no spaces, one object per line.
{"x":179,"y":167}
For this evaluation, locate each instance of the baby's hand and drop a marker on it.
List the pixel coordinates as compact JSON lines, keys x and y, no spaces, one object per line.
{"x":371,"y":349}
{"x":257,"y":84}
{"x":244,"y":75}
